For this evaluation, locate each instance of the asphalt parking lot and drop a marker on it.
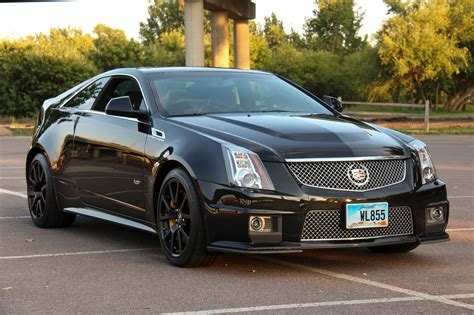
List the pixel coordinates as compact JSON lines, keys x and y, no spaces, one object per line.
{"x":97,"y":267}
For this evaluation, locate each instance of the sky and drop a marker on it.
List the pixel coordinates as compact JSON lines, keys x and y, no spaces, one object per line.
{"x":22,"y":19}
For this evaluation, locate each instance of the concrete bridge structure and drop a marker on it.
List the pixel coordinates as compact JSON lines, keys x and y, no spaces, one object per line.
{"x":241,"y":11}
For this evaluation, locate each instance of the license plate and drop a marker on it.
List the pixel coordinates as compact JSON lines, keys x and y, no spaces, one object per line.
{"x":366,"y":215}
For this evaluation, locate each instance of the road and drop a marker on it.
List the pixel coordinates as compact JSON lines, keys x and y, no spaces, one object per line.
{"x":98,"y":267}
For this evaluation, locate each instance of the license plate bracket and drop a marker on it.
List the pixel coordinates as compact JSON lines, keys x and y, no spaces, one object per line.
{"x":367,"y":215}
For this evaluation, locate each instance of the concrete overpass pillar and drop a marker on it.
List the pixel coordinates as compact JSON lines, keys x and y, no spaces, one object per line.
{"x":220,"y":39}
{"x":241,"y":44}
{"x":194,"y":32}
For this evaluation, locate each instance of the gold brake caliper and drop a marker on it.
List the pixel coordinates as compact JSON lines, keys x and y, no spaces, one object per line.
{"x":172,"y":222}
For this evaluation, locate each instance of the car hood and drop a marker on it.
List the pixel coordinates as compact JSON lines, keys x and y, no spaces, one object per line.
{"x":280,"y":136}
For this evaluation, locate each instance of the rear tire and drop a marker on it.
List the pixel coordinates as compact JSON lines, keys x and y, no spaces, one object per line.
{"x":44,"y":210}
{"x":396,"y":248}
{"x":181,"y":223}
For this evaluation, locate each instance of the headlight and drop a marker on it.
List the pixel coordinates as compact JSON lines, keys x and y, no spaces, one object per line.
{"x":427,"y":169}
{"x":245,"y":169}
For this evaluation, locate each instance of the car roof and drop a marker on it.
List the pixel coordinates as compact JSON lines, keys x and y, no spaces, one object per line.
{"x":148,"y":70}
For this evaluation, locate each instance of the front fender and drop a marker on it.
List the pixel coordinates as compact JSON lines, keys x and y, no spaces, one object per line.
{"x":200,"y":155}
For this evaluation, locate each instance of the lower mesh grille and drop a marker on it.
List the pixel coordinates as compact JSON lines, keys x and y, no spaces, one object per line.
{"x":328,"y":225}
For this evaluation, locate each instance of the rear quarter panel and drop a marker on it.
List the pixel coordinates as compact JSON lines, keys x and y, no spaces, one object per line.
{"x":54,"y":137}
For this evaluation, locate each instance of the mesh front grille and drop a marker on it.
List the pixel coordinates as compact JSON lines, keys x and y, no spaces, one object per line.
{"x":328,"y":225}
{"x":338,"y":174}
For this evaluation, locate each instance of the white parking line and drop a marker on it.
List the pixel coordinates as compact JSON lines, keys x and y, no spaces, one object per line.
{"x":14,"y":193}
{"x":297,"y":305}
{"x":21,"y":192}
{"x":415,"y":295}
{"x":319,"y":304}
{"x":389,"y":287}
{"x":78,"y":253}
{"x":11,"y":167}
{"x":459,"y":296}
{"x":460,"y":229}
{"x":455,"y":197}
{"x":16,"y":177}
{"x":16,"y":217}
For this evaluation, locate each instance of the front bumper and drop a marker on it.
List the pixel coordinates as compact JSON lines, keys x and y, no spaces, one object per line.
{"x":297,"y":247}
{"x":229,"y":210}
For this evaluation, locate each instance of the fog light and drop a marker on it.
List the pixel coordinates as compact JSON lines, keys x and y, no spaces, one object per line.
{"x":261,"y":224}
{"x":435,"y":215}
{"x":256,"y":223}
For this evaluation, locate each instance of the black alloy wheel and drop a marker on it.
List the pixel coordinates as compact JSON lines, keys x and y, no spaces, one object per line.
{"x":180,"y":222}
{"x":37,"y":191}
{"x":44,"y":210}
{"x":175,"y":217}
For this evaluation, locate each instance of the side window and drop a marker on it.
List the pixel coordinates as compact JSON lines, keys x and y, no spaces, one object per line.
{"x":131,"y":89}
{"x":122,"y":86}
{"x":86,"y":98}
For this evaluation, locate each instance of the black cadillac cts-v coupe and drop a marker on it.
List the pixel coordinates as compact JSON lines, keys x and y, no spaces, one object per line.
{"x":217,"y":160}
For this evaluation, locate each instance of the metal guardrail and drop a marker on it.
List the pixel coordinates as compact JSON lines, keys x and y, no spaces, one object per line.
{"x":426,"y":106}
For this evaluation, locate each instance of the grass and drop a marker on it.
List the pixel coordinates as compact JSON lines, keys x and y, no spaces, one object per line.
{"x":8,"y":120}
{"x":11,"y":126}
{"x":441,"y":131}
{"x":446,"y":127}
{"x":22,"y":132}
{"x":406,"y":110}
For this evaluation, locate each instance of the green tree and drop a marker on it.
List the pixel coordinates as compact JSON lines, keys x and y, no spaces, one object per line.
{"x":460,"y":89}
{"x":274,"y":31}
{"x":358,"y":71}
{"x":163,"y":16}
{"x":296,"y":39}
{"x":419,"y":49}
{"x":71,"y":40}
{"x":167,"y":51}
{"x":323,"y":74}
{"x":114,"y":49}
{"x":163,"y":34}
{"x":334,"y":26}
{"x":39,"y":67}
{"x":259,"y":49}
{"x":316,"y":71}
{"x":278,"y":62}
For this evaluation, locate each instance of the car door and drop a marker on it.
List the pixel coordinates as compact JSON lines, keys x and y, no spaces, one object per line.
{"x":66,"y":119}
{"x":110,"y":153}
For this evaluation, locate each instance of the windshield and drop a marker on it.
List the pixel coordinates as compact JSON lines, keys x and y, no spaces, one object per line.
{"x":200,"y":93}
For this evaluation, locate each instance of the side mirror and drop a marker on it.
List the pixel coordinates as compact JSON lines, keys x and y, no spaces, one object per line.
{"x":122,"y":106}
{"x":334,"y":102}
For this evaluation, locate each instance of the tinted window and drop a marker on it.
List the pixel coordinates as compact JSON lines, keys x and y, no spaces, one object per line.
{"x":131,"y":89}
{"x":86,"y":98}
{"x":221,"y":92}
{"x":122,"y":86}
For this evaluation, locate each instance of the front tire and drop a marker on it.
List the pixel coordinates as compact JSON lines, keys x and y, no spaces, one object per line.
{"x":396,"y":248}
{"x":181,"y":223}
{"x":44,"y":210}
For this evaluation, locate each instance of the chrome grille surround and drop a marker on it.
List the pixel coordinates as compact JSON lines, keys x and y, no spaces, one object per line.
{"x":335,"y":173}
{"x":328,"y":225}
